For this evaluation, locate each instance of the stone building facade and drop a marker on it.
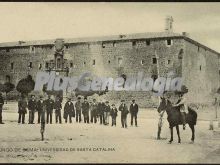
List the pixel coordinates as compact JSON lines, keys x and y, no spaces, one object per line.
{"x":113,"y":56}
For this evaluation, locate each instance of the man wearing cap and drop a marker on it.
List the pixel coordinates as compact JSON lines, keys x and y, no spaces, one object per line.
{"x":58,"y":107}
{"x":40,"y":104}
{"x":134,"y":112}
{"x":85,"y":110}
{"x":124,"y":112}
{"x":93,"y":112}
{"x":32,"y":105}
{"x":69,"y":111}
{"x":49,"y":108}
{"x":78,"y":106}
{"x":1,"y":107}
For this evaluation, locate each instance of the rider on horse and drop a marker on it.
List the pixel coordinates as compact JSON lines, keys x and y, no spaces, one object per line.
{"x":181,"y":103}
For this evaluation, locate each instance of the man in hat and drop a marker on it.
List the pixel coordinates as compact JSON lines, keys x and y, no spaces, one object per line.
{"x":58,"y":107}
{"x":124,"y":112}
{"x":40,"y":104}
{"x":101,"y":106}
{"x":1,"y":107}
{"x":134,"y":111}
{"x":49,"y":103}
{"x":78,"y":106}
{"x":114,"y":114}
{"x":85,"y":110}
{"x":32,"y":105}
{"x":93,"y":112}
{"x":107,"y":110}
{"x":69,"y":111}
{"x":22,"y":109}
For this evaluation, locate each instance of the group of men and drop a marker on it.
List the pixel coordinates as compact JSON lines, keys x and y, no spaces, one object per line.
{"x":91,"y":112}
{"x":83,"y":111}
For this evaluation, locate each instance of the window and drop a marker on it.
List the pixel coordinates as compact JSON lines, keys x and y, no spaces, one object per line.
{"x":200,"y":67}
{"x":114,"y":44}
{"x":40,"y":66}
{"x":88,"y":46}
{"x":142,"y":62}
{"x":30,"y":65}
{"x":32,"y":49}
{"x":8,"y":78}
{"x":169,"y":42}
{"x":93,"y":62}
{"x":168,"y":62}
{"x":84,"y":63}
{"x":12,"y":66}
{"x":58,"y":63}
{"x":109,"y":61}
{"x":67,"y":47}
{"x":103,"y":45}
{"x":134,"y":43}
{"x":119,"y":61}
{"x":154,"y":60}
{"x":71,"y":65}
{"x":198,"y":48}
{"x":147,"y":42}
{"x":46,"y":65}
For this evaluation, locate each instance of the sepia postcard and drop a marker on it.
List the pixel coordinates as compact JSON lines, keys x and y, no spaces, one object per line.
{"x":91,"y":82}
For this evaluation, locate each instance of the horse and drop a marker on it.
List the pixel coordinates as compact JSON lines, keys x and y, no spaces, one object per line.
{"x":174,"y":118}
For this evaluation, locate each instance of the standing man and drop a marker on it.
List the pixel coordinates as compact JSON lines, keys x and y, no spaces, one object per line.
{"x":49,"y":103}
{"x":85,"y":110}
{"x":78,"y":106}
{"x":40,"y":105}
{"x":32,"y":105}
{"x":69,"y":111}
{"x":1,"y":107}
{"x":114,"y":114}
{"x":58,"y":107}
{"x":93,"y":112}
{"x":22,"y":109}
{"x":107,"y":112}
{"x":134,"y":112}
{"x":124,"y":112}
{"x":101,"y":107}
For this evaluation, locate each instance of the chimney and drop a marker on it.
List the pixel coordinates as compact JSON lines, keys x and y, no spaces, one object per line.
{"x":169,"y":24}
{"x":185,"y":34}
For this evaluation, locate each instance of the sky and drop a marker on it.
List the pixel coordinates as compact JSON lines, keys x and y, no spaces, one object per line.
{"x":38,"y":21}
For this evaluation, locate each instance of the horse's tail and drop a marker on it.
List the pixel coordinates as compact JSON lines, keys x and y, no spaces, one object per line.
{"x":194,"y":115}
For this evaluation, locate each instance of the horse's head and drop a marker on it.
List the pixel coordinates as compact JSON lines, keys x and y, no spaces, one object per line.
{"x":163,"y":105}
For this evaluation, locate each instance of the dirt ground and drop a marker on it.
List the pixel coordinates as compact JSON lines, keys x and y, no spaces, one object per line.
{"x":95,"y":143}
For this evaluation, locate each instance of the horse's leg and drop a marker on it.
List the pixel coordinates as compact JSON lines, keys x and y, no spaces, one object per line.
{"x":193,"y":132}
{"x":159,"y":129}
{"x":171,"y":135}
{"x":178,"y":133}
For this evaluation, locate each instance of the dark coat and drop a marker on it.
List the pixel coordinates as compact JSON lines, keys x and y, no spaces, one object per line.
{"x":58,"y":105}
{"x":69,"y":110}
{"x":22,"y":106}
{"x":1,"y":102}
{"x":32,"y":105}
{"x":124,"y":110}
{"x":134,"y":108}
{"x":107,"y":108}
{"x":49,"y":103}
{"x":85,"y":108}
{"x":101,"y":107}
{"x":40,"y":106}
{"x":78,"y":106}
{"x":94,"y":108}
{"x":114,"y":112}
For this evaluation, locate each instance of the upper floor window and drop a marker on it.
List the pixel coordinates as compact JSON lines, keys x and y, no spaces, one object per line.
{"x":30,"y":65}
{"x":12,"y":66}
{"x":169,"y":42}
{"x":103,"y":45}
{"x":71,"y":65}
{"x":142,"y":62}
{"x":147,"y":42}
{"x":154,"y":60}
{"x":93,"y":62}
{"x":134,"y":43}
{"x":114,"y":44}
{"x":32,"y":49}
